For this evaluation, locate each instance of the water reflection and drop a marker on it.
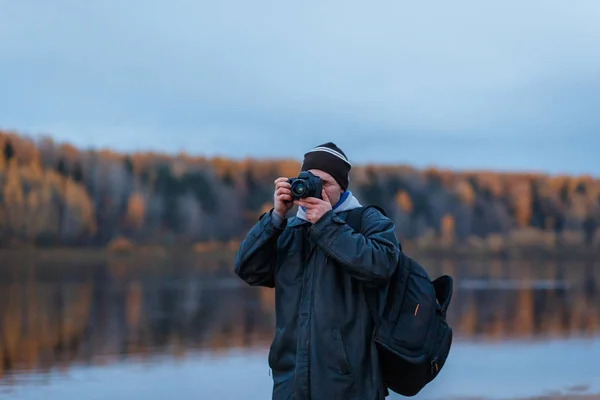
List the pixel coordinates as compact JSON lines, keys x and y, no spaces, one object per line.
{"x":48,"y":317}
{"x":57,"y":316}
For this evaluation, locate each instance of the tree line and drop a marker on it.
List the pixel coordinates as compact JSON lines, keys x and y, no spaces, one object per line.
{"x":55,"y":194}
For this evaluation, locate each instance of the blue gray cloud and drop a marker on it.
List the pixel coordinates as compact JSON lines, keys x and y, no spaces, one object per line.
{"x":462,"y":84}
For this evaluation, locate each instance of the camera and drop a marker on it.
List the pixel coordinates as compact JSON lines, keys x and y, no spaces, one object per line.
{"x":305,"y":185}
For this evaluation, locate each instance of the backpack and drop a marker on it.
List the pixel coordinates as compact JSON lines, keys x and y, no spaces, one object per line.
{"x":411,"y":334}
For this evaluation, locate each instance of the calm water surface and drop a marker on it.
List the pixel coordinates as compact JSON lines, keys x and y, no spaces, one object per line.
{"x":189,"y":329}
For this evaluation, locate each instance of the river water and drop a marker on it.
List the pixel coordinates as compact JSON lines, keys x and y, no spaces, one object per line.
{"x":123,"y":329}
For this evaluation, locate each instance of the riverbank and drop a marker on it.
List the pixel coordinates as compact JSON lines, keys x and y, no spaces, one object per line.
{"x":472,"y":250}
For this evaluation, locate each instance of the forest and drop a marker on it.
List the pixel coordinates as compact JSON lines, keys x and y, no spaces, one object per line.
{"x":53,"y":194}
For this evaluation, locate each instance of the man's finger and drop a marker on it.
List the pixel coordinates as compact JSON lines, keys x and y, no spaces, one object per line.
{"x":305,"y":204}
{"x":283,"y":184}
{"x":311,"y":200}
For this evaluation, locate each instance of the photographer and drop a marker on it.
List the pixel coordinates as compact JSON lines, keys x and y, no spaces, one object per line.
{"x":320,"y":268}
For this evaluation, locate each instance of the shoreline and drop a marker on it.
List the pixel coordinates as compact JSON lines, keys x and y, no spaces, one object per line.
{"x":462,"y":252}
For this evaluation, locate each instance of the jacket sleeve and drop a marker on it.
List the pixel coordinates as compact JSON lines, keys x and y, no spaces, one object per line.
{"x":257,"y":254}
{"x":370,"y":256}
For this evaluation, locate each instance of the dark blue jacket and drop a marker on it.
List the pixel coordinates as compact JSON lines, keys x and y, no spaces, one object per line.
{"x":322,"y":349}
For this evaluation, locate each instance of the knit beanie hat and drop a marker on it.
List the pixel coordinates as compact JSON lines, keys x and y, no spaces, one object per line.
{"x":331,"y":159}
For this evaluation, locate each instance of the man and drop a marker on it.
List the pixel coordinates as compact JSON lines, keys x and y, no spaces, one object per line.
{"x":320,"y":268}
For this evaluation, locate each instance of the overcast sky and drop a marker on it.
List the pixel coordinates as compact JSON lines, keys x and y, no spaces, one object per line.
{"x":459,"y":84}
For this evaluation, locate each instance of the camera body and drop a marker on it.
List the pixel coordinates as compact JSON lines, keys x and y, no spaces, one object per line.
{"x":306,"y":184}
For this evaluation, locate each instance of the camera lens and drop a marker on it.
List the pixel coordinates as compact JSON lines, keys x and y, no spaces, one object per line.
{"x":298,"y":188}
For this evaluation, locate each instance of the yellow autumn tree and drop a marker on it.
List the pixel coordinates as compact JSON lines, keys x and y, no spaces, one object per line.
{"x":13,"y":200}
{"x":447,"y":229}
{"x":40,"y":202}
{"x":404,"y":201}
{"x":520,"y":197}
{"x":464,"y":192}
{"x":135,"y":211}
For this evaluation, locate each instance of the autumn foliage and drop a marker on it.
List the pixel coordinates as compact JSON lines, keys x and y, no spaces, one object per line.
{"x":55,"y":194}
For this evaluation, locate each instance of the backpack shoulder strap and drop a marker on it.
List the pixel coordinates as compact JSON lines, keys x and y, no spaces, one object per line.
{"x":354,"y":218}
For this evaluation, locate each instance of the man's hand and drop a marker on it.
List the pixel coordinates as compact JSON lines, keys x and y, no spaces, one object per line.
{"x":315,"y":208}
{"x":282,"y":197}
